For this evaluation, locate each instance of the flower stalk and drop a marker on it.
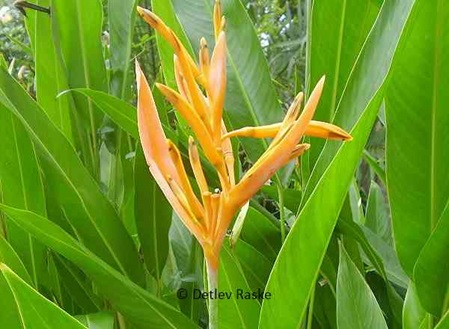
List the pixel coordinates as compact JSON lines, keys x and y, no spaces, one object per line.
{"x":200,"y":98}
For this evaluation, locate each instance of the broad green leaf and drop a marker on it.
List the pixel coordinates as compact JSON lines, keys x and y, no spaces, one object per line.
{"x":377,"y":217}
{"x":50,"y":79}
{"x":417,"y":139}
{"x":394,"y":271}
{"x":254,"y":264}
{"x":77,"y":29}
{"x":384,"y":262}
{"x":186,"y":264}
{"x":442,"y":324}
{"x":378,"y":170}
{"x":140,"y":307}
{"x":80,"y":200}
{"x":77,"y":285}
{"x":325,"y":308}
{"x":261,"y":233}
{"x":368,"y":75}
{"x":21,"y":186}
{"x":121,"y":17}
{"x":431,"y":271}
{"x":338,"y":29}
{"x":102,"y":320}
{"x":292,"y":198}
{"x":235,"y":312}
{"x":153,"y":217}
{"x":122,"y":113}
{"x":30,"y":309}
{"x":299,"y":260}
{"x":9,"y":257}
{"x":357,"y":307}
{"x":298,"y":263}
{"x":413,"y":314}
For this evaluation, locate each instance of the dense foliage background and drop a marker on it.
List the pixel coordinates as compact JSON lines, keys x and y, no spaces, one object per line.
{"x":356,"y":236}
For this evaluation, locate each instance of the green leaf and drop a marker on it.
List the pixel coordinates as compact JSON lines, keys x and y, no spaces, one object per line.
{"x":292,"y":198}
{"x":431,"y":271}
{"x":261,"y":233}
{"x":377,"y":213}
{"x":416,"y":113}
{"x":443,"y":323}
{"x":235,"y":312}
{"x":102,"y":320}
{"x":121,"y":112}
{"x":333,"y":51}
{"x":77,"y":285}
{"x":140,"y":307}
{"x":80,"y":200}
{"x":77,"y":29}
{"x":380,"y":172}
{"x":21,"y":186}
{"x":186,"y":264}
{"x":299,"y":260}
{"x":357,"y":307}
{"x":255,"y":265}
{"x":9,"y":257}
{"x":368,"y":75}
{"x":153,"y":217}
{"x":413,"y":313}
{"x":50,"y":79}
{"x":121,"y":16}
{"x":30,"y":310}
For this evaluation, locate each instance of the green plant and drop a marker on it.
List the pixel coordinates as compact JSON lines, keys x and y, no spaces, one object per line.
{"x":347,"y":239}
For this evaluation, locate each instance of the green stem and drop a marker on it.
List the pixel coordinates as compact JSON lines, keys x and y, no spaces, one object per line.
{"x":212,"y":282}
{"x":281,"y":210}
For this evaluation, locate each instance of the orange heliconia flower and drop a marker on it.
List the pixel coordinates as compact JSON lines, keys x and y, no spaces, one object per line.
{"x":200,"y":100}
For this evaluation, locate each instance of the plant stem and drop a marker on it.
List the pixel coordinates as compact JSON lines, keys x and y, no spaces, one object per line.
{"x":212,"y":282}
{"x":281,"y":209}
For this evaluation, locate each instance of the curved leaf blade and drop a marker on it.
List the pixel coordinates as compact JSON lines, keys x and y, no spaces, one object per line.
{"x":299,"y":260}
{"x":417,"y":139}
{"x":140,"y":307}
{"x":94,"y":219}
{"x":357,"y":307}
{"x":33,"y":310}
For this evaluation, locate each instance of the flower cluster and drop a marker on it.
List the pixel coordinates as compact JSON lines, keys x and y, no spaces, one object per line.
{"x":200,"y":98}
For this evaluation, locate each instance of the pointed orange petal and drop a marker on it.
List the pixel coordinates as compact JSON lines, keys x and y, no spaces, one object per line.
{"x":204,"y":57}
{"x":195,"y":163}
{"x":192,"y":118}
{"x":197,"y":97}
{"x":154,"y":21}
{"x":183,"y":214}
{"x":228,"y":155}
{"x":152,"y":136}
{"x":217,"y":18}
{"x":276,"y":157}
{"x":180,"y":81}
{"x":195,"y":205}
{"x":298,"y":150}
{"x":217,"y":85}
{"x":215,"y":203}
{"x":326,"y":130}
{"x":208,"y":209}
{"x":268,"y":131}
